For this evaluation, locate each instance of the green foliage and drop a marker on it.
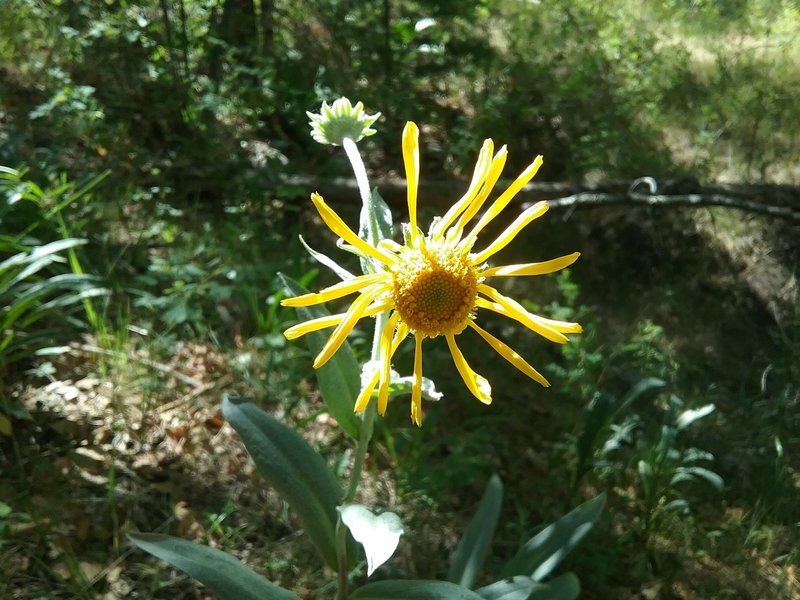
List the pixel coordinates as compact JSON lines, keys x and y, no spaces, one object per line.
{"x":474,"y":544}
{"x":664,"y":464}
{"x":340,"y":379}
{"x":541,"y":554}
{"x":519,"y":587}
{"x":35,"y":286}
{"x":413,"y":590}
{"x":293,"y":468}
{"x":600,"y":415}
{"x":217,"y":570}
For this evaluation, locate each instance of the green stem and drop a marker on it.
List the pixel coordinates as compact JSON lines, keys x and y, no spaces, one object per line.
{"x":367,"y":426}
{"x":359,"y":171}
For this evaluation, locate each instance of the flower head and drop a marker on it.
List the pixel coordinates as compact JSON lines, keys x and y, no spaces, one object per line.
{"x":435,"y":284}
{"x":341,"y":120}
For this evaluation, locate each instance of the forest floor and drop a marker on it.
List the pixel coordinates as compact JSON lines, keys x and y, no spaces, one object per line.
{"x":121,"y":436}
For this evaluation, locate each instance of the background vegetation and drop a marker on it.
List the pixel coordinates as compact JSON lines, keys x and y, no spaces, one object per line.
{"x":147,"y":202}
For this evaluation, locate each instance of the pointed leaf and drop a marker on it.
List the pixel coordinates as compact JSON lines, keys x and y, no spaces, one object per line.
{"x":323,"y":259}
{"x":474,"y":545}
{"x":542,"y":553}
{"x":401,"y":589}
{"x":375,"y":224}
{"x":340,"y":378}
{"x":513,"y":588}
{"x":688,"y":473}
{"x":642,"y":387}
{"x":688,"y":417}
{"x":218,"y":571}
{"x":563,"y":587}
{"x":293,"y":468}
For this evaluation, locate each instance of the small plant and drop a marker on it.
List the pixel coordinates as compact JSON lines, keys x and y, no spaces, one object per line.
{"x":665,"y":466}
{"x":44,"y":294}
{"x":432,"y":285}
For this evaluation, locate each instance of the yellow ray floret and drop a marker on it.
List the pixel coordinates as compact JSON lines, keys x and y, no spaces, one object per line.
{"x":435,"y":285}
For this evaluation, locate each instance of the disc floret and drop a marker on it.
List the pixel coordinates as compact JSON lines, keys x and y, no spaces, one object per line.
{"x":434,"y":288}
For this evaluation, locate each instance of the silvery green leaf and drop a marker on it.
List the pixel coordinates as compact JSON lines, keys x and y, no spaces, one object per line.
{"x":293,"y":468}
{"x":400,"y":386}
{"x":218,"y":571}
{"x":543,"y":552}
{"x":339,"y":378}
{"x":689,"y":473}
{"x":410,"y":589}
{"x":680,"y":506}
{"x":688,"y":417}
{"x":376,"y":220}
{"x":375,"y":224}
{"x":378,"y":534}
{"x":327,"y":261}
{"x":474,"y":544}
{"x":696,"y":455}
{"x":403,"y":385}
{"x":563,"y":587}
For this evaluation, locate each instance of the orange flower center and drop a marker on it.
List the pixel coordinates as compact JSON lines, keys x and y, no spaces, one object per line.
{"x":434,"y":288}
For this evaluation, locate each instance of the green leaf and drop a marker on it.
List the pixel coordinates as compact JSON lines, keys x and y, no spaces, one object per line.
{"x":340,"y":378}
{"x":400,"y":589}
{"x":375,"y":224}
{"x":293,"y":468}
{"x":601,"y":412}
{"x":688,"y":417}
{"x":542,"y":553}
{"x":327,"y":261}
{"x":376,"y":220}
{"x":688,"y":473}
{"x":218,"y":571}
{"x":474,"y":544}
{"x":514,"y":588}
{"x":563,"y":587}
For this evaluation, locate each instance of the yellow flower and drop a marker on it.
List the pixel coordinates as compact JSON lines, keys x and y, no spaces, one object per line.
{"x":434,"y":284}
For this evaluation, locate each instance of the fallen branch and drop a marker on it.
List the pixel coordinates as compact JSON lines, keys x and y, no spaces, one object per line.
{"x":591,"y":200}
{"x":773,"y":200}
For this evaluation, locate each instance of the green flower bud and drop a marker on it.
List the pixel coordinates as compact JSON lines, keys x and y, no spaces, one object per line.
{"x":341,"y":120}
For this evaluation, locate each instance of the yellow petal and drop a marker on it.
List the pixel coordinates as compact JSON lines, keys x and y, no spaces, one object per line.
{"x":511,"y":308}
{"x":498,"y":162}
{"x":363,"y":398}
{"x":339,"y":335}
{"x":499,"y":204}
{"x":562,"y":326}
{"x":366,"y":393}
{"x":385,"y":343}
{"x":510,"y":355}
{"x":482,"y":166}
{"x":340,"y":228}
{"x":416,"y":389}
{"x":476,"y":384}
{"x":540,"y":268}
{"x":411,"y":161}
{"x":338,"y":290}
{"x":528,"y":215}
{"x":296,"y":331}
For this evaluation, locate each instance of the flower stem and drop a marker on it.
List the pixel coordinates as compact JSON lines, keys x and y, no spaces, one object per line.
{"x":367,"y":425}
{"x":359,"y":171}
